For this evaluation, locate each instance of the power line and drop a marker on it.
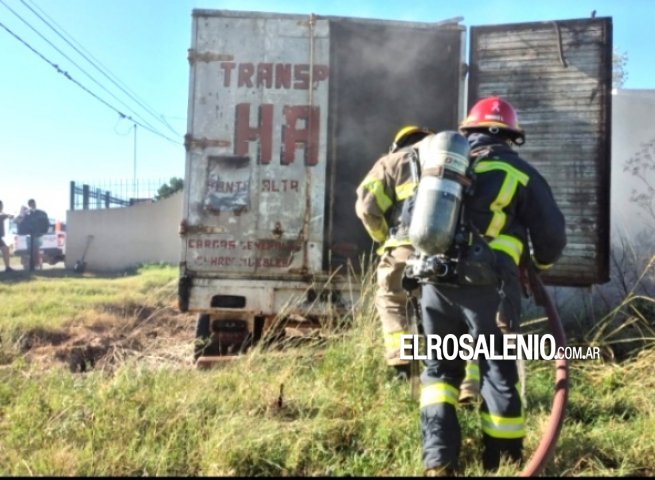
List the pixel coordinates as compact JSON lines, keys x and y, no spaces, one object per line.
{"x":68,"y":76}
{"x":74,"y":63}
{"x":95,"y":63}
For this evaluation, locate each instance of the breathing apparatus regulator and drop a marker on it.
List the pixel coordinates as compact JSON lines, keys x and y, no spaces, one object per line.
{"x":447,"y":249}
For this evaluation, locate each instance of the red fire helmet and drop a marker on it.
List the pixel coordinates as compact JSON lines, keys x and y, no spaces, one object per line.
{"x":494,"y":114}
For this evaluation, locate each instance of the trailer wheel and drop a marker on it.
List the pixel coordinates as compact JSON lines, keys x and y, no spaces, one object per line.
{"x":202,"y":335}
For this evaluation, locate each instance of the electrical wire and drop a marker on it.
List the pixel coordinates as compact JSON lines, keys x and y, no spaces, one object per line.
{"x":95,"y":62}
{"x":69,"y":77}
{"x":75,"y":64}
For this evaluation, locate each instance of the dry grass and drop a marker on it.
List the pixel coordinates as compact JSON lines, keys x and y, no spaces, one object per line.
{"x":323,"y":408}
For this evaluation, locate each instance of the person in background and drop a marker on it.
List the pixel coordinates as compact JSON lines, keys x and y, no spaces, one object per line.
{"x":38,"y":226}
{"x":3,"y":245}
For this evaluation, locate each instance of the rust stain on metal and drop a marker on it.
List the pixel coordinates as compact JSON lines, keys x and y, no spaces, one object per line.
{"x":308,"y":172}
{"x":195,"y":229}
{"x":207,"y":57}
{"x":277,"y":230}
{"x":203,"y":143}
{"x":559,"y":45}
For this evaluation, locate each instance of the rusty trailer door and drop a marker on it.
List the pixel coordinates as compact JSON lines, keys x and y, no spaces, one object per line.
{"x":256,"y":164}
{"x":558,"y":76}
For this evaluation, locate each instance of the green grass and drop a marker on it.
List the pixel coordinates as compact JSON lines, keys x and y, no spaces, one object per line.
{"x":50,"y":298}
{"x":339,"y":413}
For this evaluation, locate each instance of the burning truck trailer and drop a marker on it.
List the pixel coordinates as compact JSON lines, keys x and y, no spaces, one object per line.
{"x":287,"y":113}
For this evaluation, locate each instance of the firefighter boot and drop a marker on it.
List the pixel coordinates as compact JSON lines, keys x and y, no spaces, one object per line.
{"x":439,"y":472}
{"x":496,"y":448}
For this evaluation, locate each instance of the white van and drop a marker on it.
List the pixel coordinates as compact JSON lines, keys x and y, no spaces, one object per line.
{"x":53,"y":243}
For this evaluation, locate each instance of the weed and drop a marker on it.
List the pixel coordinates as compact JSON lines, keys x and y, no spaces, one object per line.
{"x":320,"y":408}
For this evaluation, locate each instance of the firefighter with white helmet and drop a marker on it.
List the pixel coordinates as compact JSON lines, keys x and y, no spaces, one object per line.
{"x":380,"y":199}
{"x":509,"y":207}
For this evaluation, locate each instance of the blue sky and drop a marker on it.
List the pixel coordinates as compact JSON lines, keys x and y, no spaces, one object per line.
{"x":52,"y":131}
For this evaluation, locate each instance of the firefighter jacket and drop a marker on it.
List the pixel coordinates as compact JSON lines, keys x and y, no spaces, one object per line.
{"x":381,"y":195}
{"x":513,"y":202}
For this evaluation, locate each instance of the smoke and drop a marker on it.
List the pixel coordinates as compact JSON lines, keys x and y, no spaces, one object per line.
{"x":384,"y":76}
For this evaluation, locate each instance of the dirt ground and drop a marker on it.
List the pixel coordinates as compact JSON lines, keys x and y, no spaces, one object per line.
{"x":152,"y":335}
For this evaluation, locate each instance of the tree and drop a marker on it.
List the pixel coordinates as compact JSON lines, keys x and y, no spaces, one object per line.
{"x":641,"y":165}
{"x":175,"y":184}
{"x":619,"y":69}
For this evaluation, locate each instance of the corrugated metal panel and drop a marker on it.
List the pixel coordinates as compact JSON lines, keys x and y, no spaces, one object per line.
{"x":558,"y":77}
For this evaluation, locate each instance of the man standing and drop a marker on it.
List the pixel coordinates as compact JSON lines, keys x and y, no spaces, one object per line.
{"x":3,"y":245}
{"x":511,"y":205}
{"x":380,"y":199}
{"x":37,"y":223}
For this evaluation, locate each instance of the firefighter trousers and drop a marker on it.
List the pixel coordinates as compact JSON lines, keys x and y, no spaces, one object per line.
{"x":391,"y":301}
{"x":507,"y":319}
{"x":449,"y":310}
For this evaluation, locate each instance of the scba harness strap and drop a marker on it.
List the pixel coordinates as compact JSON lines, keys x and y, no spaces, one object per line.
{"x":473,"y":264}
{"x":470,"y":261}
{"x":465,"y":180}
{"x":449,"y":250}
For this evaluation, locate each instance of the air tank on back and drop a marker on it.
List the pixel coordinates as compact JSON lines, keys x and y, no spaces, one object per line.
{"x":444,"y":159}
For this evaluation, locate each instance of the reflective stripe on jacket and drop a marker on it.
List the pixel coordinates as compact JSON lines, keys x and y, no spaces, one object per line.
{"x":380,"y":198}
{"x":512,"y":200}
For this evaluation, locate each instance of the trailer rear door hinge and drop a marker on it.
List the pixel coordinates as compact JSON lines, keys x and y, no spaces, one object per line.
{"x":203,"y":143}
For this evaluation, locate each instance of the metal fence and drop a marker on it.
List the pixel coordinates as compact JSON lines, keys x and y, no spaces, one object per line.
{"x":110,"y":194}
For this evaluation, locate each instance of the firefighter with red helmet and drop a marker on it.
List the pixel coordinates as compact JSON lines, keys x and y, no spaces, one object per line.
{"x":380,"y":199}
{"x":509,"y":208}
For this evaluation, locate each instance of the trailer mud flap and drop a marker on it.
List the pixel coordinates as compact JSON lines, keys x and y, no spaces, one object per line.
{"x":183,"y":293}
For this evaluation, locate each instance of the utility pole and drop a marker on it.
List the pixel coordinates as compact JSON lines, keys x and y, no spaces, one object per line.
{"x":135,"y":188}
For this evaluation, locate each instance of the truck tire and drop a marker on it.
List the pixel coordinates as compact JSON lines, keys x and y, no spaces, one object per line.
{"x":202,"y":335}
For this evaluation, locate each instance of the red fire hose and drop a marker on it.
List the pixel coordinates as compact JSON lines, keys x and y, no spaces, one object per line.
{"x":546,"y":446}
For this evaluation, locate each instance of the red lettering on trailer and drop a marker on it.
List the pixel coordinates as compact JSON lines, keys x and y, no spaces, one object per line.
{"x":212,"y":243}
{"x":280,"y":186}
{"x":265,"y":75}
{"x":274,"y":262}
{"x":294,"y":136}
{"x":222,"y":261}
{"x":268,"y":244}
{"x":320,"y":73}
{"x":301,"y":74}
{"x":282,"y":75}
{"x":262,"y":132}
{"x":301,"y":128}
{"x":221,"y":186}
{"x":246,"y":71}
{"x":274,"y":75}
{"x":227,"y":72}
{"x":265,"y":262}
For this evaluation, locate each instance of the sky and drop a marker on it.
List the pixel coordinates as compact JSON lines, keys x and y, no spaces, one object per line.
{"x":54,"y":131}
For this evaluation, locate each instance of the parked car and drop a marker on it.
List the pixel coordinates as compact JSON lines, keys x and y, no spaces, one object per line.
{"x":53,"y":244}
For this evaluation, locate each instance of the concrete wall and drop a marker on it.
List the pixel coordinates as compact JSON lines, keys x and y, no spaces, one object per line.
{"x":125,"y":237}
{"x":633,"y":141}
